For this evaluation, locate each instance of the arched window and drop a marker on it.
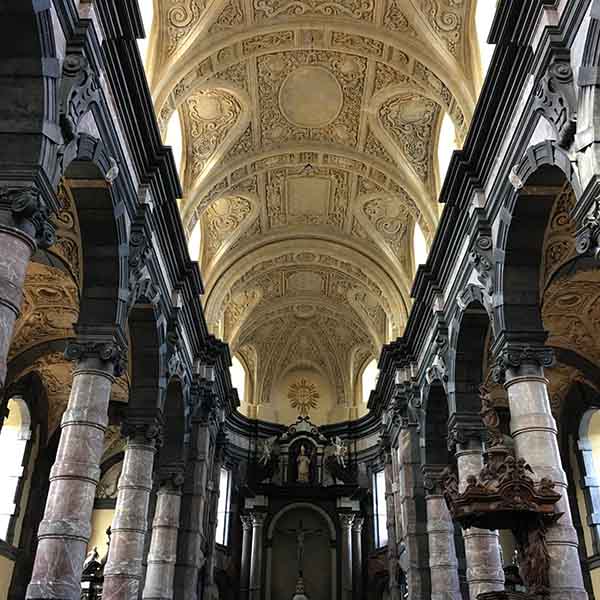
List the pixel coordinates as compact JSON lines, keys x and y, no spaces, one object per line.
{"x":379,"y":510}
{"x":195,"y":241}
{"x":15,"y":434}
{"x":238,"y":377}
{"x":224,"y":508}
{"x":484,"y":17}
{"x":419,"y":246}
{"x":147,"y":10}
{"x":446,"y":146}
{"x":174,"y":139}
{"x":369,"y":379}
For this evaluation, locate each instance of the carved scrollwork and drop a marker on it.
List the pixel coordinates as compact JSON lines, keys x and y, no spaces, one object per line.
{"x":79,"y":89}
{"x":587,"y":241}
{"x":30,"y":212}
{"x":513,"y":356}
{"x":147,"y":431}
{"x":108,"y":352}
{"x":555,"y":98}
{"x":438,"y":369}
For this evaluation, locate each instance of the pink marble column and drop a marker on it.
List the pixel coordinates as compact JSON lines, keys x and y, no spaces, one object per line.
{"x":443,"y":563}
{"x":163,"y":547}
{"x":23,"y":226}
{"x":245,"y":561}
{"x":191,"y":557}
{"x":65,"y":529}
{"x":482,"y":547}
{"x":123,"y":570}
{"x":534,"y":430}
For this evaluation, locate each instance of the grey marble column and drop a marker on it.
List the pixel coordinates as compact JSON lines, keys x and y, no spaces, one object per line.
{"x":163,"y":547}
{"x":357,"y":564}
{"x":256,"y":559}
{"x":24,"y":225}
{"x":443,"y":563}
{"x":482,"y":547}
{"x":123,"y":570}
{"x":65,"y":529}
{"x":392,"y":555}
{"x":245,"y":559}
{"x":192,"y":538}
{"x":534,"y":430}
{"x":346,"y":520}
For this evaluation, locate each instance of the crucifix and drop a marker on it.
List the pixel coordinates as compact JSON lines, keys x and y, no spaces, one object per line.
{"x":300,"y":534}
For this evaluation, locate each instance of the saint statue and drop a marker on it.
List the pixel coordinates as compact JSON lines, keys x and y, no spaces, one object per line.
{"x":303,"y":461}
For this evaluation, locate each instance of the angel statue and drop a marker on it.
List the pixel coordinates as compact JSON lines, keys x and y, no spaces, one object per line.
{"x":267,"y":451}
{"x":341,"y":451}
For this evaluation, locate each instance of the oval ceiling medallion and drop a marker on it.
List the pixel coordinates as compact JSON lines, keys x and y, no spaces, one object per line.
{"x":310,"y":97}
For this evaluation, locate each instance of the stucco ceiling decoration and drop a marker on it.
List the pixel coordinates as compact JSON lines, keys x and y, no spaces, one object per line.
{"x":310,"y":129}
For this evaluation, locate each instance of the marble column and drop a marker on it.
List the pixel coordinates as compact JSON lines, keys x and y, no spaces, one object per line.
{"x":392,"y":554}
{"x":482,"y":547}
{"x":357,"y":564}
{"x":245,"y":559}
{"x":123,"y":570}
{"x":346,"y":520}
{"x":534,"y":431}
{"x":190,"y":555}
{"x":23,"y":226}
{"x":256,"y":559}
{"x":163,"y":547}
{"x":443,"y":562}
{"x":65,"y":529}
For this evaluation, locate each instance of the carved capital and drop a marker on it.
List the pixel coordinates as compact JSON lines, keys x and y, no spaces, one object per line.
{"x":358,"y":523}
{"x":31,"y":214}
{"x":107,"y":352}
{"x":79,"y":89}
{"x":556,"y":99}
{"x":587,"y":237}
{"x":147,"y":431}
{"x":464,"y":428}
{"x":433,"y":479}
{"x":514,"y":355}
{"x":171,"y":477}
{"x":346,"y":520}
{"x":258,"y":518}
{"x":246,"y":522}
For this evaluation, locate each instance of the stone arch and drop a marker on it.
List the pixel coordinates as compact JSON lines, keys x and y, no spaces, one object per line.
{"x":435,"y":407}
{"x":538,"y":180}
{"x":103,"y":227}
{"x":309,"y":506}
{"x":468,"y":338}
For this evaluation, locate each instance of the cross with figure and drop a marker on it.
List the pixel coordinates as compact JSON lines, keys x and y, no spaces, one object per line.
{"x":300,"y":534}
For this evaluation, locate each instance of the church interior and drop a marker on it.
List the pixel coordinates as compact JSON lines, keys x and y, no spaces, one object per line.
{"x":299,"y":300}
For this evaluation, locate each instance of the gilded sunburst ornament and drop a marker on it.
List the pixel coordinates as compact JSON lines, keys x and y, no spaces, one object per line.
{"x":303,"y":396}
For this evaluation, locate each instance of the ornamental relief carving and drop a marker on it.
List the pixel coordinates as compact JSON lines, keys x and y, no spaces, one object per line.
{"x":392,"y":220}
{"x":231,"y":16}
{"x":182,"y":16}
{"x":394,"y":19}
{"x":410,"y":119}
{"x":208,"y":117}
{"x":293,"y":106}
{"x":446,"y":19}
{"x":355,"y":9}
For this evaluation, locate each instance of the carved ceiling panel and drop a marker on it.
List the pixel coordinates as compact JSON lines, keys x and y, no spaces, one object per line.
{"x":311,"y":122}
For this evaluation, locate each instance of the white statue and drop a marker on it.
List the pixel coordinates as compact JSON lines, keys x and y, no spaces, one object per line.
{"x":341,"y":451}
{"x":303,"y":465}
{"x":267,"y":450}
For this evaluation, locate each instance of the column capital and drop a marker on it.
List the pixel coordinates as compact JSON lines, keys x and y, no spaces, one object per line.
{"x":465,"y":428}
{"x":143,"y":430}
{"x":513,"y":355}
{"x":357,"y":523}
{"x":433,"y":479}
{"x":30,"y":213}
{"x":246,"y":522}
{"x":258,"y":518}
{"x":346,"y":519}
{"x":106,"y":351}
{"x":171,"y":477}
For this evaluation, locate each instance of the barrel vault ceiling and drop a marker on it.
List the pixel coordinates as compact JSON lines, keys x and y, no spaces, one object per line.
{"x":310,"y":133}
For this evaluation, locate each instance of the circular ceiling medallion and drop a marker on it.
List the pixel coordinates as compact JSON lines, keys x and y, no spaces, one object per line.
{"x":310,"y":97}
